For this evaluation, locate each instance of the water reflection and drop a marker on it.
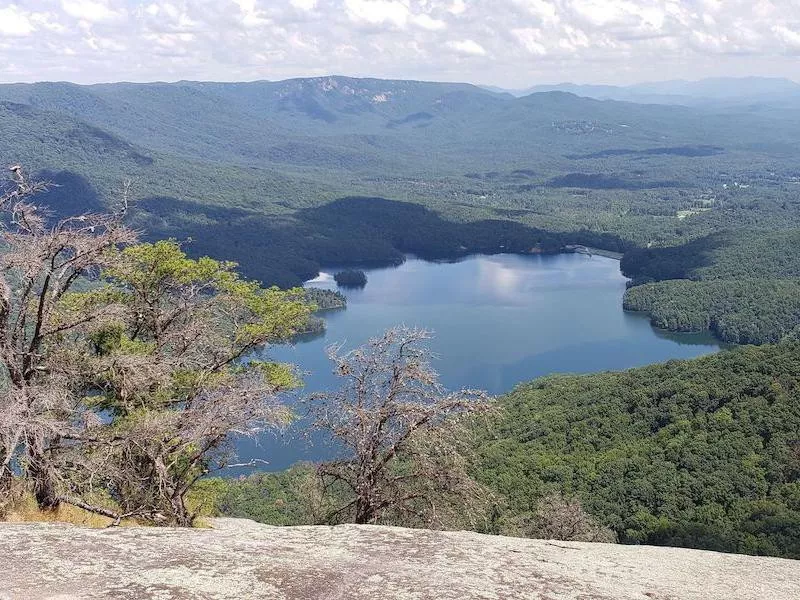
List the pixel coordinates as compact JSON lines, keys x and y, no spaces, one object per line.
{"x":498,"y":320}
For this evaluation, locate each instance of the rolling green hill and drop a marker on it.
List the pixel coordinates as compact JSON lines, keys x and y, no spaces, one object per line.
{"x":274,"y":174}
{"x":744,"y":285}
{"x":703,"y":201}
{"x":701,"y":453}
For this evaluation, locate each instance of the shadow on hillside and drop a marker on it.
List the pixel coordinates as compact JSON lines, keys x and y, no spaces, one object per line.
{"x":69,"y":194}
{"x":684,"y":151}
{"x":287,"y":249}
{"x":358,"y":231}
{"x":676,"y":262}
{"x":601,"y":181}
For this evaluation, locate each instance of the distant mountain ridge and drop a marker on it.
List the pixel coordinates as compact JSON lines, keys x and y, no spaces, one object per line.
{"x":258,"y":156}
{"x":275,"y":122}
{"x":356,"y":125}
{"x":718,"y":89}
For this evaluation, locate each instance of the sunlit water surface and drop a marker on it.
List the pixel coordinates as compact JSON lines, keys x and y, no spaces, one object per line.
{"x":498,"y":321}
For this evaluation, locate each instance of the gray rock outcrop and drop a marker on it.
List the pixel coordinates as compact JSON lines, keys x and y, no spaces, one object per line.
{"x":239,"y":559}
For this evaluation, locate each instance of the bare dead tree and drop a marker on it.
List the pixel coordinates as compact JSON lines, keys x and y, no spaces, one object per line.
{"x":399,"y":433}
{"x":557,"y":517}
{"x":124,"y":366}
{"x":40,"y":264}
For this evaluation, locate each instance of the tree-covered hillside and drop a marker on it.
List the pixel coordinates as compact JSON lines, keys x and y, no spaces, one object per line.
{"x":744,"y":311}
{"x":742,"y":285}
{"x":702,"y":453}
{"x":287,"y":176}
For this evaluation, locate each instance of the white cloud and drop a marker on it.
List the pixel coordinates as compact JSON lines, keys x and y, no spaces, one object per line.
{"x":105,"y":44}
{"x":541,"y":9}
{"x":457,"y":7}
{"x":613,"y":41}
{"x":93,"y":11}
{"x":426,"y":22}
{"x":469,"y":47}
{"x":251,"y":15}
{"x":14,"y":22}
{"x":378,"y":12}
{"x":305,"y":5}
{"x":529,"y":38}
{"x":790,"y":37}
{"x":625,"y":13}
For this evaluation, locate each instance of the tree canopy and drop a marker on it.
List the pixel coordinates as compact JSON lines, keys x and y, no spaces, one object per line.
{"x":126,"y":365}
{"x":701,"y":453}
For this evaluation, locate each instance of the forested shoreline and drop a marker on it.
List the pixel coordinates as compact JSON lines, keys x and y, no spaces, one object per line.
{"x":743,"y":286}
{"x":128,"y":372}
{"x":700,"y":453}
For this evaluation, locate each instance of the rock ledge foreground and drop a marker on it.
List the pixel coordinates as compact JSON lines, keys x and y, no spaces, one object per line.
{"x":239,"y":559}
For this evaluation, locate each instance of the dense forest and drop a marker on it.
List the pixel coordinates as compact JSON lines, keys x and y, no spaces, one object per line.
{"x":743,"y":286}
{"x":745,"y":311}
{"x":700,"y":453}
{"x":286,"y":177}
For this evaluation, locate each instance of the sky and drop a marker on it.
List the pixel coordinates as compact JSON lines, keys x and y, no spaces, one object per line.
{"x":508,"y":43}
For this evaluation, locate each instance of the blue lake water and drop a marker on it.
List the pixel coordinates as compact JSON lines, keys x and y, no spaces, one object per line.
{"x":498,"y":320}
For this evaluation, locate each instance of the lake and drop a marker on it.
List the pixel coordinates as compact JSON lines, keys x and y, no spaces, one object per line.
{"x":498,"y":320}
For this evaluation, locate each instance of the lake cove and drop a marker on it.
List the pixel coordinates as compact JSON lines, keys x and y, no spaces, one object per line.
{"x":498,"y":320}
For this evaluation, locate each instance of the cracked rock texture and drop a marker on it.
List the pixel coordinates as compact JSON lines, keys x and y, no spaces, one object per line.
{"x":241,"y":559}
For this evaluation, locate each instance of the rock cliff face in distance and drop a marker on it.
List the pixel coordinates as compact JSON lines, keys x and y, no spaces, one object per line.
{"x":239,"y":559}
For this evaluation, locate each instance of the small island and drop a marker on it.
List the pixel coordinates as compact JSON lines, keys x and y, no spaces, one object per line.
{"x":352,"y":278}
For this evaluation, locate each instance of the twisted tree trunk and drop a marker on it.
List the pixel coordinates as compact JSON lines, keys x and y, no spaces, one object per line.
{"x":41,"y":473}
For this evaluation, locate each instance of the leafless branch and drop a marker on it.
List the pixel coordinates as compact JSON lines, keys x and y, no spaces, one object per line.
{"x":396,"y":426}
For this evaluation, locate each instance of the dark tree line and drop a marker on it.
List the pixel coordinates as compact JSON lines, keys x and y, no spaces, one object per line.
{"x":742,"y":286}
